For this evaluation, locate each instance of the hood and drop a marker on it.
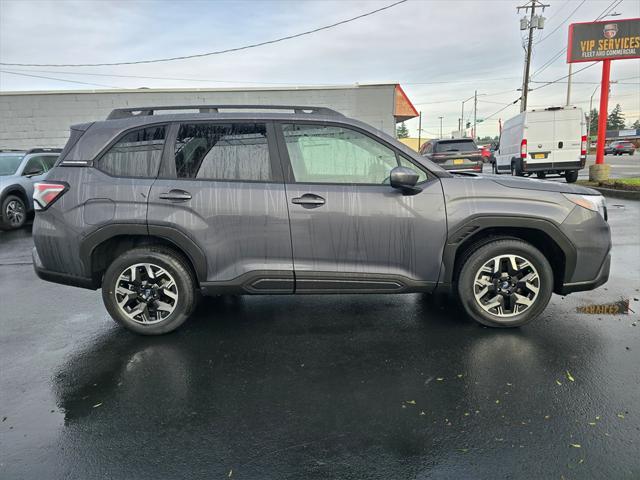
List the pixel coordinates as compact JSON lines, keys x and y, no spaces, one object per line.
{"x":525,"y":183}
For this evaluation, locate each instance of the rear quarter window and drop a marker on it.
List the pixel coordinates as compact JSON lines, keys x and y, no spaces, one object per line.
{"x":136,"y":154}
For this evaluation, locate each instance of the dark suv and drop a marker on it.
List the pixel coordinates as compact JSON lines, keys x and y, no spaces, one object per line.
{"x":456,"y":155}
{"x":153,"y":208}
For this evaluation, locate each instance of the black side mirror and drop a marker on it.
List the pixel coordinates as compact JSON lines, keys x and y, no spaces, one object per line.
{"x":32,"y":172}
{"x":404,"y":179}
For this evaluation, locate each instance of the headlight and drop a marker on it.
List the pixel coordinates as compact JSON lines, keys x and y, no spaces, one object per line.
{"x":590,"y":202}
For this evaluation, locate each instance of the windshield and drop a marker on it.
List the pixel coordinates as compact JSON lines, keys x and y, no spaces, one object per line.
{"x":456,"y":146}
{"x":9,"y":164}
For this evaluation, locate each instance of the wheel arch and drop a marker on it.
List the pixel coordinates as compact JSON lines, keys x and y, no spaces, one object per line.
{"x":542,"y":234}
{"x":19,"y":191}
{"x":101,"y":247}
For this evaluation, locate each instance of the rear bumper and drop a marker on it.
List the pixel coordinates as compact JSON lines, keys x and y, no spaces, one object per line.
{"x":600,"y":279}
{"x":61,"y":278}
{"x":552,"y":166}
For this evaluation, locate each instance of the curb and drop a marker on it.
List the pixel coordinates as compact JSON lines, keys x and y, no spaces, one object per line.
{"x":614,"y":193}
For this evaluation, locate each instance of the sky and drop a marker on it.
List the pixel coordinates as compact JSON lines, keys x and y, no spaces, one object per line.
{"x":439,"y":51}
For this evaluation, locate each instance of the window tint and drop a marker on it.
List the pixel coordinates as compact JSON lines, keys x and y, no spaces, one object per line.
{"x":456,"y":146}
{"x":216,"y":151}
{"x":137,"y":154}
{"x":327,"y":154}
{"x":42,"y":163}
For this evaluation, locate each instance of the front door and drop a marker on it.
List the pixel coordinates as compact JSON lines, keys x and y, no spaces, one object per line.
{"x":350,"y":230}
{"x":221,"y":185}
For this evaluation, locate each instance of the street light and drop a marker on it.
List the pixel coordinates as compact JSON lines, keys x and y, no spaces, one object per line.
{"x":475,"y":95}
{"x":440,"y":126}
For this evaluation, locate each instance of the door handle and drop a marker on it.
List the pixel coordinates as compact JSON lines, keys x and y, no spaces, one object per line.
{"x":309,"y":200}
{"x":176,"y":196}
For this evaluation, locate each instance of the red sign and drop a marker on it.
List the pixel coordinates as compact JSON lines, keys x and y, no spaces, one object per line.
{"x":609,"y":40}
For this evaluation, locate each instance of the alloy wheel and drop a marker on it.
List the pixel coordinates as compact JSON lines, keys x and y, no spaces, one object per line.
{"x":506,"y":285}
{"x":15,"y":212}
{"x":146,"y":293}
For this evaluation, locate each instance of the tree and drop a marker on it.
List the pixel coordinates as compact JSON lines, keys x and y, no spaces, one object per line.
{"x":593,"y":123}
{"x":402,"y":131}
{"x":636,"y":125}
{"x":615,"y":121}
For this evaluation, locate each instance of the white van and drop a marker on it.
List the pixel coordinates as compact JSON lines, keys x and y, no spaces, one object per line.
{"x":544,"y":142}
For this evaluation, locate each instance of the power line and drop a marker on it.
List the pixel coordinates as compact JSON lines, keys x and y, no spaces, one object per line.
{"x":561,"y":24}
{"x":58,"y":79}
{"x":218,"y":52}
{"x":566,"y":76}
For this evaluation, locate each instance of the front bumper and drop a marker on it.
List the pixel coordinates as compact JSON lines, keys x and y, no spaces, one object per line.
{"x":601,"y":279}
{"x":61,"y":278}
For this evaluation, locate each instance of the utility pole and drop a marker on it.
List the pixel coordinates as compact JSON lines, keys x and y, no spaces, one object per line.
{"x":475,"y":112}
{"x":534,"y":22}
{"x":419,"y":129}
{"x":440,"y":126}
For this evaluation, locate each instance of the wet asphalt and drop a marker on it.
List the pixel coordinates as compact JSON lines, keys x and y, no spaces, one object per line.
{"x":319,"y":387}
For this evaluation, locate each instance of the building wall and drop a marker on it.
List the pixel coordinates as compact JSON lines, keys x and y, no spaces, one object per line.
{"x":42,"y":119}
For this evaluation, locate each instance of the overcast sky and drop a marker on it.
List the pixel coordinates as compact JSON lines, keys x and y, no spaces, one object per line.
{"x":440,"y":51}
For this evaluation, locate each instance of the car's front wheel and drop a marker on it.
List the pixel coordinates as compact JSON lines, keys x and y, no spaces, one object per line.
{"x":505,"y":283}
{"x":149,"y":290}
{"x":13,"y":214}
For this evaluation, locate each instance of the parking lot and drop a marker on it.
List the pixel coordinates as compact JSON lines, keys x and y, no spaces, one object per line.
{"x":319,"y":386}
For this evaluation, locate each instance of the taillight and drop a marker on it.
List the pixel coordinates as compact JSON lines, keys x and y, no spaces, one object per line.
{"x":46,"y":193}
{"x":523,"y":148}
{"x":583,"y":145}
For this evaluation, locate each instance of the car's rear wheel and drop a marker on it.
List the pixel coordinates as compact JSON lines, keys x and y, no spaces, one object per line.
{"x":571,"y":176}
{"x":13,"y":214}
{"x":541,"y":174}
{"x":515,"y":170}
{"x":494,"y":168}
{"x":505,"y":283}
{"x":149,"y":290}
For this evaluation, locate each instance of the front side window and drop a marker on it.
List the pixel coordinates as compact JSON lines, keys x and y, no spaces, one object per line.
{"x":40,"y":164}
{"x":215,"y":151}
{"x":137,"y":154}
{"x":328,"y":154}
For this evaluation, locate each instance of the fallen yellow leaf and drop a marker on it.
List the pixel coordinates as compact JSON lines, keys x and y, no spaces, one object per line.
{"x":411,"y":402}
{"x":620,"y":415}
{"x":547,"y":417}
{"x":230,"y":473}
{"x":558,"y":382}
{"x":497,"y":401}
{"x":439,"y":379}
{"x":592,"y":423}
{"x":575,"y":445}
{"x":571,"y":379}
{"x":97,"y":405}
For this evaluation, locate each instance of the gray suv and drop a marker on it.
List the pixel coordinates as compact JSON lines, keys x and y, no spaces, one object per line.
{"x":154,"y":206}
{"x":19,"y":170}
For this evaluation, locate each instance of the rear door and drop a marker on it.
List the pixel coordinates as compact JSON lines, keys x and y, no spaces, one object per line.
{"x":221,"y":186}
{"x":540,"y":138}
{"x":351,"y":231}
{"x":567,"y":133}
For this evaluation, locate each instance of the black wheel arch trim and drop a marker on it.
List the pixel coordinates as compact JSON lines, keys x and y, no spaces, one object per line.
{"x":176,"y":237}
{"x":17,"y":189}
{"x":479,"y":223}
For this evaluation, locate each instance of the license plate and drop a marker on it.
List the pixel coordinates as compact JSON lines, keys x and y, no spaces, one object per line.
{"x":458,"y":161}
{"x":538,"y":155}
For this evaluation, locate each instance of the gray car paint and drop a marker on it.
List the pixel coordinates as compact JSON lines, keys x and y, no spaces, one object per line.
{"x":242,"y":227}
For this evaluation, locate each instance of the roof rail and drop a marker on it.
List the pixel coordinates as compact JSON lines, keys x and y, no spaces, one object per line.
{"x":43,"y":150}
{"x":4,"y":150}
{"x":145,"y":111}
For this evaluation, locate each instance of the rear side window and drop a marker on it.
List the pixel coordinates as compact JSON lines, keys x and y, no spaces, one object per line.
{"x":137,"y":154}
{"x":456,"y":146}
{"x":216,"y":151}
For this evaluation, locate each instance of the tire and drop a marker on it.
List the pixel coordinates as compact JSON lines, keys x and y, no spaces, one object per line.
{"x":13,"y":213}
{"x":513,"y":311}
{"x":515,"y":171}
{"x":541,"y":175}
{"x":571,"y":176}
{"x":494,"y":169}
{"x":166,"y":308}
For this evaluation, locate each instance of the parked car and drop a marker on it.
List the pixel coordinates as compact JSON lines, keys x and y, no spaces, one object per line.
{"x":456,"y":155}
{"x":620,"y":147}
{"x":487,"y":154}
{"x":155,"y":207}
{"x":19,"y":170}
{"x":544,"y":142}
